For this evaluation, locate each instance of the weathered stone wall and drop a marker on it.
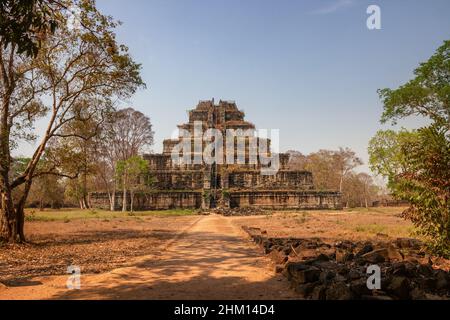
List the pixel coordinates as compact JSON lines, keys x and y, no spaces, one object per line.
{"x":158,"y":161}
{"x":177,"y":180}
{"x":161,"y":200}
{"x":297,"y":180}
{"x":99,"y":200}
{"x":279,"y":199}
{"x":267,"y":199}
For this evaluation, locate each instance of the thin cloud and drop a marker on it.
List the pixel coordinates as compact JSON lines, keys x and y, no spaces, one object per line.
{"x":333,"y":7}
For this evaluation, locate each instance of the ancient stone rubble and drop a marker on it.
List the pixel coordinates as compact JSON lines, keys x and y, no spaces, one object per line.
{"x":223,"y":185}
{"x":338,"y":271}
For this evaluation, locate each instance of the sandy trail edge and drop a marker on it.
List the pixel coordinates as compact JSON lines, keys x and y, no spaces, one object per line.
{"x":210,"y":259}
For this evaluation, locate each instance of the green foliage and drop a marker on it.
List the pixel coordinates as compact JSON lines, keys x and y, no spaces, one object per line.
{"x":206,"y":195}
{"x":386,"y":156}
{"x":417,"y":163}
{"x":130,"y":171}
{"x":428,"y":94}
{"x":24,"y":23}
{"x":426,"y":185}
{"x":226,"y":194}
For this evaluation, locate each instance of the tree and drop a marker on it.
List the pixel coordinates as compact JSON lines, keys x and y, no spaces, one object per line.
{"x":359,"y":190}
{"x":334,"y":170}
{"x":130,"y":173}
{"x":125,"y":134}
{"x":427,"y":95}
{"x":322,"y":165}
{"x":418,"y":171}
{"x":353,"y":193}
{"x":130,"y":133}
{"x":417,"y":163}
{"x":74,"y":77}
{"x":76,"y":154}
{"x":386,"y":152}
{"x":345,"y":160}
{"x":426,"y":185}
{"x":24,"y":23}
{"x":46,"y":191}
{"x":329,"y":167}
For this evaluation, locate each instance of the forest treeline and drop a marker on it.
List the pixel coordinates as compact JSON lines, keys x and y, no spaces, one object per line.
{"x":104,"y":158}
{"x":338,"y":170}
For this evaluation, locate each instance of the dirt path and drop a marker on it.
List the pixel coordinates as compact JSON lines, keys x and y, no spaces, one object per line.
{"x":212,"y":259}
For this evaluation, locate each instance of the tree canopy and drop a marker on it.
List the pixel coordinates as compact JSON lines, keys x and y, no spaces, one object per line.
{"x":24,"y":23}
{"x":428,"y":94}
{"x":417,"y":163}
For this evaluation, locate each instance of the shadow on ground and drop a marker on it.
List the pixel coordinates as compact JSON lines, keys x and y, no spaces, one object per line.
{"x":205,"y":265}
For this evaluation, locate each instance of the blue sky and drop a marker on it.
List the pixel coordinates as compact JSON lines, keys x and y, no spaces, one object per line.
{"x":308,"y":68}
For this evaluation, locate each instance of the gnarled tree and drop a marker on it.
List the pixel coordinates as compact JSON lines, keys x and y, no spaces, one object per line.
{"x":76,"y":76}
{"x":126,"y":134}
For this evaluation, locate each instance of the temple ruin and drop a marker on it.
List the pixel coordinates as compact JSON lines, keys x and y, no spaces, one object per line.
{"x":193,"y":185}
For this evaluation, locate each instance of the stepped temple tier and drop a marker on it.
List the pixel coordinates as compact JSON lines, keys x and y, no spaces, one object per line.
{"x":219,"y":161}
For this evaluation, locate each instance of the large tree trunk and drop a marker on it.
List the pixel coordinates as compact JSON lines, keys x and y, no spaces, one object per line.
{"x":8,"y":221}
{"x":12,"y":220}
{"x":111,"y":192}
{"x":84,"y":192}
{"x":20,"y":210}
{"x":124,"y":200}
{"x":88,"y":199}
{"x":131,"y":200}
{"x":85,"y":202}
{"x":82,"y":204}
{"x":20,"y":214}
{"x":111,"y":197}
{"x":112,"y":201}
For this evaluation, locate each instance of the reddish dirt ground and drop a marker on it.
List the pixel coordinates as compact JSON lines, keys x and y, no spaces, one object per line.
{"x":99,"y":245}
{"x":211,"y":259}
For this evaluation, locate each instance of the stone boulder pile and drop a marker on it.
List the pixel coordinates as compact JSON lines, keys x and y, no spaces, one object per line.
{"x":339,"y":271}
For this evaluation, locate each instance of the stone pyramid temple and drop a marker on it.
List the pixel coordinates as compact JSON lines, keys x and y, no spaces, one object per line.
{"x":177,"y":183}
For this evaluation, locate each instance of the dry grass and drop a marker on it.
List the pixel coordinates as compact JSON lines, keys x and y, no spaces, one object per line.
{"x":76,"y":214}
{"x":99,"y":241}
{"x":353,"y":224}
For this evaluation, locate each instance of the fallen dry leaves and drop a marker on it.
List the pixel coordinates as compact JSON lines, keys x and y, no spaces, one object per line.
{"x":95,"y":245}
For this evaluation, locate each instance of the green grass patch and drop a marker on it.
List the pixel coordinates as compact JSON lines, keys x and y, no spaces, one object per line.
{"x":68,"y":215}
{"x":371,"y":228}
